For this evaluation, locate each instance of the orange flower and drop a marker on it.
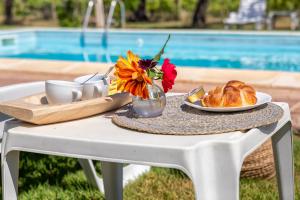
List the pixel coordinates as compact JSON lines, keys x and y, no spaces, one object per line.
{"x":130,"y":77}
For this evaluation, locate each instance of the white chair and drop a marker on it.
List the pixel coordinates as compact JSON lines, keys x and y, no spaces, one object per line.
{"x":250,"y":12}
{"x":26,"y":89}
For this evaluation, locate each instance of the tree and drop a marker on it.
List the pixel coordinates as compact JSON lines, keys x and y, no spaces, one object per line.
{"x":140,"y":13}
{"x":8,"y":11}
{"x":199,"y":18}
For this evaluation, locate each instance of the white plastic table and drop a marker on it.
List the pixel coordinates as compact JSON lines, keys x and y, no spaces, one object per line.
{"x":26,"y":89}
{"x":213,"y":162}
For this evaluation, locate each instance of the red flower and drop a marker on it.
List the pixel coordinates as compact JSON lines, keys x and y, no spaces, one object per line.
{"x":169,"y":75}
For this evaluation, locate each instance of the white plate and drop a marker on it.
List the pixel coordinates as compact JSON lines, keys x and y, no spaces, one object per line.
{"x":262,"y":98}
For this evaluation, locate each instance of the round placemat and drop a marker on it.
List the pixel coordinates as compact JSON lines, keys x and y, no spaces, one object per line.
{"x":179,"y":119}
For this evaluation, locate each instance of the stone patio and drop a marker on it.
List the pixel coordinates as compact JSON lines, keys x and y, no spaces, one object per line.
{"x":283,"y":86}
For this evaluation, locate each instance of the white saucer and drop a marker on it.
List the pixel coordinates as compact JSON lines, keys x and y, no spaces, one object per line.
{"x":262,"y":98}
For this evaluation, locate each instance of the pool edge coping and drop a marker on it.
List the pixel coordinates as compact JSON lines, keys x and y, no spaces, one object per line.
{"x":274,"y":79}
{"x":177,"y":31}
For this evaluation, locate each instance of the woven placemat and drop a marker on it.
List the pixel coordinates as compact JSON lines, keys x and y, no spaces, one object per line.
{"x":179,"y":119}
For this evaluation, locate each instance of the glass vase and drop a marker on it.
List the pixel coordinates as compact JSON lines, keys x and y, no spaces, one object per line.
{"x":152,"y":107}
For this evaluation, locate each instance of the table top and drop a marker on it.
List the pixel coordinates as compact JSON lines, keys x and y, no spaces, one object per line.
{"x":100,"y":129}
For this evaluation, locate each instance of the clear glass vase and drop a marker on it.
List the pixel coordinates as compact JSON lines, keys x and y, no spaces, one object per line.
{"x":152,"y":107}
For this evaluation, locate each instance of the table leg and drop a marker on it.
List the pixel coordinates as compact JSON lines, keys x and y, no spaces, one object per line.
{"x":113,"y":180}
{"x":91,"y":174}
{"x":283,"y":153}
{"x":10,"y":174}
{"x":215,"y":173}
{"x":294,"y":21}
{"x":258,"y":26}
{"x":270,"y":21}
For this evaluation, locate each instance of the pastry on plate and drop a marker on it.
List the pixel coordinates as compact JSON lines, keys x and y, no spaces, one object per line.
{"x":233,"y":94}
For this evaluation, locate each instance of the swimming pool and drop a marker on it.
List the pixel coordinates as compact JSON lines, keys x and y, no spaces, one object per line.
{"x":186,"y":48}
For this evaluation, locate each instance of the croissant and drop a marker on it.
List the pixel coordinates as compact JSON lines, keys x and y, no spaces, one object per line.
{"x":233,"y":94}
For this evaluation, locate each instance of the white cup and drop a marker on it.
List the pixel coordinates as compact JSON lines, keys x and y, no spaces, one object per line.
{"x":95,"y":87}
{"x":62,"y":92}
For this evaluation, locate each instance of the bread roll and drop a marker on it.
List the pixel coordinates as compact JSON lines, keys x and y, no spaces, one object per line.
{"x":233,"y":94}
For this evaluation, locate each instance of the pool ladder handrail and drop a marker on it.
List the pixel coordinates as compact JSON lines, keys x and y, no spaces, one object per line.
{"x":112,"y":8}
{"x":108,"y":23}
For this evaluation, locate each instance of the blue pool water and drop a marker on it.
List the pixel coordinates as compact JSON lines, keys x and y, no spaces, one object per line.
{"x":194,"y":49}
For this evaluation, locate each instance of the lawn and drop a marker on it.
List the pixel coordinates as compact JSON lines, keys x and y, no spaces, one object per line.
{"x":51,"y":177}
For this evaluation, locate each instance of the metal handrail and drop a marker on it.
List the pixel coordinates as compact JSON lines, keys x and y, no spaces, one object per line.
{"x":112,"y":8}
{"x":85,"y":24}
{"x":109,"y":21}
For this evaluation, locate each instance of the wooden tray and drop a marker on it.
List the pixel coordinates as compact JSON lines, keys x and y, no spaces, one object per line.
{"x":35,"y":109}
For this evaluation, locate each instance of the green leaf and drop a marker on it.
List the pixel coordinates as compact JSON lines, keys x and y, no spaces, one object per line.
{"x":161,"y":52}
{"x":151,"y":73}
{"x":159,"y":76}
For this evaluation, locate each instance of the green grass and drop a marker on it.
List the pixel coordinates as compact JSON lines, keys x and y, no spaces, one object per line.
{"x":50,"y":177}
